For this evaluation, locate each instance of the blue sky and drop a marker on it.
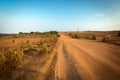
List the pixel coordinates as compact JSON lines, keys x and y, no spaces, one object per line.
{"x":61,"y":15}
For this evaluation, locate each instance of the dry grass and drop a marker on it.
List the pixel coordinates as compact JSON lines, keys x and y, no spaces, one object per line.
{"x":15,"y":48}
{"x":112,"y":37}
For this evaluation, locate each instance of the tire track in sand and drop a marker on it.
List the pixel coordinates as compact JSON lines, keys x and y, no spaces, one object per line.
{"x":65,"y":67}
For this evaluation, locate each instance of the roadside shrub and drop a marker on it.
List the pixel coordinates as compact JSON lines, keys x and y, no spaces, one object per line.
{"x":31,"y":51}
{"x":58,"y":35}
{"x":86,"y":37}
{"x":2,"y":59}
{"x":93,"y":37}
{"x":43,"y":50}
{"x":15,"y":36}
{"x":14,"y":57}
{"x":10,"y":58}
{"x":105,"y":39}
{"x":76,"y":36}
{"x":27,"y":41}
{"x":70,"y":34}
{"x":13,"y":41}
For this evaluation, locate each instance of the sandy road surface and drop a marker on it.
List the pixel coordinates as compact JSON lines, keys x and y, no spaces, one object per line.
{"x":86,"y":60}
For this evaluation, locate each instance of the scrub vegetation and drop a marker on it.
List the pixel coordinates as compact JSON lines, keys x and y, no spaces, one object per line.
{"x":16,"y":49}
{"x":112,"y":37}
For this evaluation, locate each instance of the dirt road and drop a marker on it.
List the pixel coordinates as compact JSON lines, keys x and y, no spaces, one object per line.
{"x":86,"y":60}
{"x":72,"y":59}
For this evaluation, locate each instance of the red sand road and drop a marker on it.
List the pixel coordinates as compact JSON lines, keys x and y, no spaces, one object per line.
{"x":86,"y":60}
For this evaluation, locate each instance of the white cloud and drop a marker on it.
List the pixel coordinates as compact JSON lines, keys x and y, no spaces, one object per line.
{"x":99,"y":15}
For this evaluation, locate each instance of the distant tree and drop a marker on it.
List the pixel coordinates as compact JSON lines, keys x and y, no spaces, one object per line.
{"x":31,"y":32}
{"x":20,"y":32}
{"x":53,"y":32}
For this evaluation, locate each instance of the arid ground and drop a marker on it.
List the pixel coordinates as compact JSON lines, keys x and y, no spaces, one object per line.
{"x":86,"y":60}
{"x":71,"y":59}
